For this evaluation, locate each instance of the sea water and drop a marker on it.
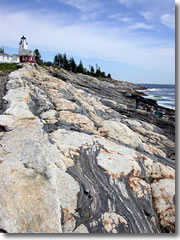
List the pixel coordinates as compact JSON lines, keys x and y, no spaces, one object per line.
{"x":164,"y":94}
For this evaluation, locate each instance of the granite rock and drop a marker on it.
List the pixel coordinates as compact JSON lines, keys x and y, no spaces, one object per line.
{"x":76,"y":157}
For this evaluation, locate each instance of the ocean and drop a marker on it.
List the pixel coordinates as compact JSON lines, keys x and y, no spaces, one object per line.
{"x":164,"y":94}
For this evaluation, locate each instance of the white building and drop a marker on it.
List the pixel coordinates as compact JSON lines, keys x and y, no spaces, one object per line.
{"x":15,"y":58}
{"x":6,"y":58}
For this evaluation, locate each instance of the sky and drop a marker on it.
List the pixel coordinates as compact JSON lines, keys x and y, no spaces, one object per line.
{"x":133,"y":40}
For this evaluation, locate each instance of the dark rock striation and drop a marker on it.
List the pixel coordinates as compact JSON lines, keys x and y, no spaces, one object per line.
{"x":98,"y":193}
{"x":3,"y":80}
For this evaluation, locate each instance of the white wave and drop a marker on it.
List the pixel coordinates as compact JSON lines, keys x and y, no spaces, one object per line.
{"x":168,"y":98}
{"x":166,"y":106}
{"x":152,"y":89}
{"x":150,"y":97}
{"x":169,"y":90}
{"x":166,"y":103}
{"x":164,"y":96}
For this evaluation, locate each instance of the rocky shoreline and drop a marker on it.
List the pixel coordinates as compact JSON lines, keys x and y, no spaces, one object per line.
{"x":77,"y":157}
{"x":3,"y":81}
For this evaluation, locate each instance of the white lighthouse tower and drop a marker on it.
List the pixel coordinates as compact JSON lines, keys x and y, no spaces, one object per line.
{"x":22,"y":45}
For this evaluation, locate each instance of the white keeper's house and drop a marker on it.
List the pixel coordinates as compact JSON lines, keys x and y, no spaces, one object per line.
{"x":25,"y":55}
{"x":6,"y":58}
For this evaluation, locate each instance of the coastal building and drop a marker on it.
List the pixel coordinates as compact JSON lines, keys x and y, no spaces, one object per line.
{"x":6,"y":58}
{"x":25,"y":55}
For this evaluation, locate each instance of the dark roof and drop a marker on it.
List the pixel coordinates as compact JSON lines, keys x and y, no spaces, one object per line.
{"x":23,"y":37}
{"x":26,"y":52}
{"x":17,"y":55}
{"x":4,"y":54}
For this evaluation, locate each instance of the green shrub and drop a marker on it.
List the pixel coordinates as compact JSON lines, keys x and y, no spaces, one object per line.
{"x":8,"y":66}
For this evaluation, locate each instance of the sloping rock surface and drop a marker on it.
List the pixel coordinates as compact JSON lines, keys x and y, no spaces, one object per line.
{"x":76,"y":157}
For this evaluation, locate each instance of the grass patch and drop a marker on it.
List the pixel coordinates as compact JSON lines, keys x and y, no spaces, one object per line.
{"x":8,"y":66}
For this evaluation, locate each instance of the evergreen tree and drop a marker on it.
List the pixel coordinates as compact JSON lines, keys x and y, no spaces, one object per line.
{"x":60,"y":59}
{"x":73,"y":66}
{"x":37,"y":56}
{"x":86,"y":71}
{"x":48,"y":63}
{"x":55,"y":60}
{"x":92,"y":70}
{"x":103,"y":74}
{"x":65,"y":62}
{"x":70,"y":65}
{"x":109,"y":75}
{"x":98,"y":72}
{"x":97,"y":67}
{"x":80,"y":68}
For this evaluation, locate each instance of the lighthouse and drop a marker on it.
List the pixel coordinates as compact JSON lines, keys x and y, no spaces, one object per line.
{"x":23,"y":44}
{"x":25,"y":55}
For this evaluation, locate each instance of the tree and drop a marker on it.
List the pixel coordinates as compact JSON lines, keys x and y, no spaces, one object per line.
{"x":65,"y":62}
{"x":103,"y":74}
{"x":98,"y":72}
{"x":55,"y":60}
{"x":37,"y":56}
{"x":85,"y":71}
{"x":92,"y":70}
{"x":58,"y":60}
{"x":72,"y":64}
{"x":48,"y":63}
{"x":109,"y":75}
{"x":80,"y":68}
{"x":97,"y":67}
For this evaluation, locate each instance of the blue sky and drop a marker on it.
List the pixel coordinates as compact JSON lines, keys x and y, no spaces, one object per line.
{"x":134,"y":40}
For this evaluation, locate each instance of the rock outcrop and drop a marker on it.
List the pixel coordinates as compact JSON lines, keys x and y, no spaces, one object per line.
{"x":77,"y":157}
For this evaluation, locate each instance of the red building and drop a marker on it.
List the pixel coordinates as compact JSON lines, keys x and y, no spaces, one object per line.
{"x":26,"y":58}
